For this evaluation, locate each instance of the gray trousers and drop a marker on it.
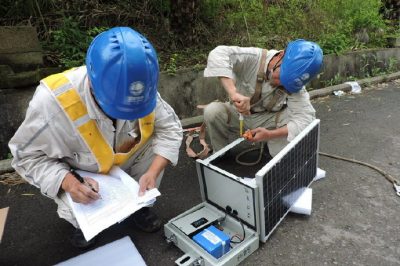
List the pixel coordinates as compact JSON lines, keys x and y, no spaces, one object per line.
{"x":222,"y":121}
{"x":136,"y":166}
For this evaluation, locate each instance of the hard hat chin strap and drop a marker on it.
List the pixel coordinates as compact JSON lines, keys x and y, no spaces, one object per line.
{"x":270,"y":70}
{"x":114,"y":121}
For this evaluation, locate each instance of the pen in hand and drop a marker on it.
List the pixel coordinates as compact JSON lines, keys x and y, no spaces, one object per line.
{"x":82,"y":180}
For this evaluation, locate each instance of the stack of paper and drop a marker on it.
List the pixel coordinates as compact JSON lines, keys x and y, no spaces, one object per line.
{"x":119,"y":199}
{"x":121,"y":252}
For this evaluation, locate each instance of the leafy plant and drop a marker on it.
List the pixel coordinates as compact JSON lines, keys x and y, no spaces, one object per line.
{"x":71,"y":42}
{"x":392,"y":65}
{"x":172,"y":66}
{"x":334,"y":24}
{"x":337,"y":79}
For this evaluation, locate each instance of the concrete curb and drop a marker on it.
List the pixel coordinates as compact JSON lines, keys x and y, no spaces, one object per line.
{"x":5,"y":165}
{"x":197,"y":120}
{"x":346,"y":87}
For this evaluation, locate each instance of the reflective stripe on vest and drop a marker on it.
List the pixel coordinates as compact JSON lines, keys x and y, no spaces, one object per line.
{"x":70,"y":101}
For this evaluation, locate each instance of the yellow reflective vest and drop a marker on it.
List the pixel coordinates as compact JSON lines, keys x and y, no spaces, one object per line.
{"x":70,"y":101}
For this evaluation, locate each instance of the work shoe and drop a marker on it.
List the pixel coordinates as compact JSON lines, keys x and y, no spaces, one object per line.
{"x":146,"y":220}
{"x":78,"y":240}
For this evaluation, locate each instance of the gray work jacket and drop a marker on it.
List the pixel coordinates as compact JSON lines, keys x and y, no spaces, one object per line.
{"x":242,"y":64}
{"x":46,"y":145}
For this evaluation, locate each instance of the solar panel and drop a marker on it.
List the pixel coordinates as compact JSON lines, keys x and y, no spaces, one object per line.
{"x":280,"y":181}
{"x":283,"y":179}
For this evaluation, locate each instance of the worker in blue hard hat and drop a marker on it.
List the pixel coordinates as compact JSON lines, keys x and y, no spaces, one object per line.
{"x":266,"y":90}
{"x":94,"y":117}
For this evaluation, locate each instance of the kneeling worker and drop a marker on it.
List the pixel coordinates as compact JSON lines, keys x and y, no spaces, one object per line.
{"x":266,"y":89}
{"x":95,"y":116}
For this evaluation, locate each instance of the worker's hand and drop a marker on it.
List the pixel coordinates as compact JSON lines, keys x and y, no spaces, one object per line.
{"x":147,"y":181}
{"x":248,"y":135}
{"x":260,"y":134}
{"x":80,"y":192}
{"x":242,"y":103}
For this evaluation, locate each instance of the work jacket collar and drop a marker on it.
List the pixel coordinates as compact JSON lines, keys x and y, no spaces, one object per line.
{"x":93,"y":108}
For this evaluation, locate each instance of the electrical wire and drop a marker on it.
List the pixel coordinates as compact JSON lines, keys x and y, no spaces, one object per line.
{"x":236,"y":235}
{"x":386,"y":175}
{"x":261,"y":148}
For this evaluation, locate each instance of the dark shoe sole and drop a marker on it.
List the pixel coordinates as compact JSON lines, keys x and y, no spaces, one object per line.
{"x":146,"y":221}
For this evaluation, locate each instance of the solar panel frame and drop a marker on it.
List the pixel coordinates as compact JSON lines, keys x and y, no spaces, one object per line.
{"x":288,"y":175}
{"x":282,"y":179}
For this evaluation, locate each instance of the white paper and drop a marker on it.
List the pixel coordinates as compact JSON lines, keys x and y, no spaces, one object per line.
{"x":355,"y":87}
{"x":121,"y":252}
{"x":119,"y":199}
{"x":3,"y":218}
{"x":339,"y":93}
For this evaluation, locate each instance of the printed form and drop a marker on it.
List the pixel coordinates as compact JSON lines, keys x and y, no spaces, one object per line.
{"x":120,"y":199}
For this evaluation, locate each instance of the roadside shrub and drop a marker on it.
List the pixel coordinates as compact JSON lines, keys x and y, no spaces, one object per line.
{"x":68,"y":44}
{"x":187,"y":31}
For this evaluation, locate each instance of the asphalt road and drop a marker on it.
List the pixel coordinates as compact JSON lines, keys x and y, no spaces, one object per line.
{"x":355,"y":218}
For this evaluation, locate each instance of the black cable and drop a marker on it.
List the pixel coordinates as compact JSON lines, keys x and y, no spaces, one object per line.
{"x":244,"y":232}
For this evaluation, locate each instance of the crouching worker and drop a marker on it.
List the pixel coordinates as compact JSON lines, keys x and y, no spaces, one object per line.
{"x":266,"y":88}
{"x":95,"y":116}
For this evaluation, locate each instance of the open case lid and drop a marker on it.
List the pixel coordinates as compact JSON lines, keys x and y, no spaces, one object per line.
{"x":221,"y":189}
{"x":263,"y":202}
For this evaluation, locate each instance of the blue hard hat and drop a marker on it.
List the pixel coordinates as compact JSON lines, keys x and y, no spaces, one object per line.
{"x":123,"y":70}
{"x":301,"y":63}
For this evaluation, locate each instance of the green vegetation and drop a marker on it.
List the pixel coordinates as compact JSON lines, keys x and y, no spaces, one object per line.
{"x":171,"y":66}
{"x":69,"y":43}
{"x":183,"y":32}
{"x":371,"y":67}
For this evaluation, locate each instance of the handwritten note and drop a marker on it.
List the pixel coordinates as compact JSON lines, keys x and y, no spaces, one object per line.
{"x":120,"y":199}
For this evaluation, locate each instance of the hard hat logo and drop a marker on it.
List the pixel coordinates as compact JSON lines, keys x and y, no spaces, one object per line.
{"x":301,"y":62}
{"x":110,"y":57}
{"x":136,"y":88}
{"x":299,"y":82}
{"x":134,"y":99}
{"x":305,"y":77}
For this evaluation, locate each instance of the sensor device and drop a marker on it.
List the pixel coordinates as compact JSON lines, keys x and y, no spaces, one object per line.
{"x":250,"y":210}
{"x":194,"y":222}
